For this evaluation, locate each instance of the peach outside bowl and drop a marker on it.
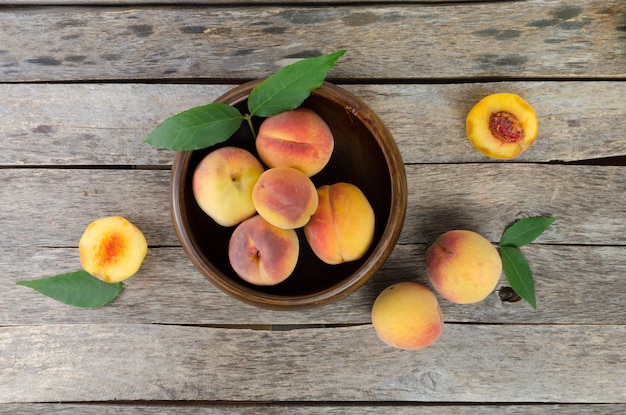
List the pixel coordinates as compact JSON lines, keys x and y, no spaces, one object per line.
{"x":365,"y":155}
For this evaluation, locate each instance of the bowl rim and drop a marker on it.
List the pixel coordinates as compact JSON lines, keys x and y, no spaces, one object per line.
{"x":364,"y":272}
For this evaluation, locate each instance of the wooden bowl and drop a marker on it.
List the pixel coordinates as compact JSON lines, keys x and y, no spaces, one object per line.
{"x":365,"y":155}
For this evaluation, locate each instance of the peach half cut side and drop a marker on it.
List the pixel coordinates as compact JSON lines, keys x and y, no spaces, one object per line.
{"x":502,"y":125}
{"x":112,"y":249}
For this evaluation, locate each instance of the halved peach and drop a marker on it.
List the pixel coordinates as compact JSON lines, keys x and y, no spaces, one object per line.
{"x":502,"y":125}
{"x":112,"y":249}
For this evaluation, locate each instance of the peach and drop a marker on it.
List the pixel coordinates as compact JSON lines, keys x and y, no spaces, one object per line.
{"x":501,"y":125}
{"x":342,"y":227}
{"x":298,"y":138}
{"x":463,"y":266}
{"x":406,"y":315}
{"x":222,"y":184}
{"x":285,"y":197}
{"x":261,"y":253}
{"x":112,"y":249}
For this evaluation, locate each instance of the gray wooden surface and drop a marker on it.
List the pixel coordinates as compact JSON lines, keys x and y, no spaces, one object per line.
{"x":105,"y":123}
{"x":82,"y":82}
{"x":82,"y":363}
{"x":534,"y":38}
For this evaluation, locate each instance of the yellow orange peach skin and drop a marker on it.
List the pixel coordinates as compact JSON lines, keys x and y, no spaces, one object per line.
{"x":406,"y":315}
{"x":342,"y":227}
{"x":298,"y":138}
{"x":222,"y":184}
{"x":463,"y":266}
{"x":261,"y":253}
{"x":285,"y":197}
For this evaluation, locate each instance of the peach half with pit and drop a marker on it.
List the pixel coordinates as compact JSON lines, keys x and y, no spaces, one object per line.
{"x":261,"y":253}
{"x":285,"y":197}
{"x":406,"y":315}
{"x":342,"y":227}
{"x":298,"y":138}
{"x":502,"y":125}
{"x":463,"y":266}
{"x":112,"y":249}
{"x":222,"y":184}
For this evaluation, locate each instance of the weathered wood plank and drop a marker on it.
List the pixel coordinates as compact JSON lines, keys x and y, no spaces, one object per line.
{"x":52,"y":207}
{"x":205,"y":2}
{"x":307,"y":408}
{"x":91,"y":124}
{"x":567,"y":38}
{"x":469,"y":363}
{"x":64,"y":202}
{"x":588,"y":201}
{"x":104,"y":124}
{"x":574,"y":284}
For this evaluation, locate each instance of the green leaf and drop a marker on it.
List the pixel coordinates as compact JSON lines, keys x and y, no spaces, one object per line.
{"x":290,"y":86}
{"x":524,"y":231}
{"x":518,"y":273}
{"x":196,"y":128}
{"x":79,"y":289}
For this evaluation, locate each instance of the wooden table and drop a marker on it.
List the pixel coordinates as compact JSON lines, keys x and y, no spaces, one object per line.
{"x":81,"y":85}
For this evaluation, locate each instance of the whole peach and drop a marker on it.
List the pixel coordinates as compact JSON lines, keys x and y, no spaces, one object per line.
{"x":463,"y":266}
{"x":261,"y":253}
{"x":112,"y":249}
{"x":285,"y":197}
{"x":298,"y":138}
{"x":406,"y":315}
{"x":342,"y":227}
{"x":222,"y":184}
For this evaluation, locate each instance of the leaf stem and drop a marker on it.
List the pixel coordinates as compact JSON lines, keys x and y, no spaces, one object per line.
{"x":248,"y":118}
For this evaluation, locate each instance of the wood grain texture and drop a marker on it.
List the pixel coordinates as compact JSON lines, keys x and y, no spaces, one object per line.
{"x":574,"y":284}
{"x":82,"y":85}
{"x":470,"y":363}
{"x":308,"y":408}
{"x":203,"y":2}
{"x":31,"y":204}
{"x":586,"y":200}
{"x":104,"y":124}
{"x":52,"y":207}
{"x":566,"y":38}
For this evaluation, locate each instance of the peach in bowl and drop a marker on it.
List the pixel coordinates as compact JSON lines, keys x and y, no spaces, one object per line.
{"x":359,"y":174}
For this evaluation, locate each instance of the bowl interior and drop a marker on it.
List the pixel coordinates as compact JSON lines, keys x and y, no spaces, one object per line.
{"x":359,"y":157}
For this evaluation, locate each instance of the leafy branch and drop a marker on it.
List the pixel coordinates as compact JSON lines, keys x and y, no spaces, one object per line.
{"x":207,"y":125}
{"x":516,"y":267}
